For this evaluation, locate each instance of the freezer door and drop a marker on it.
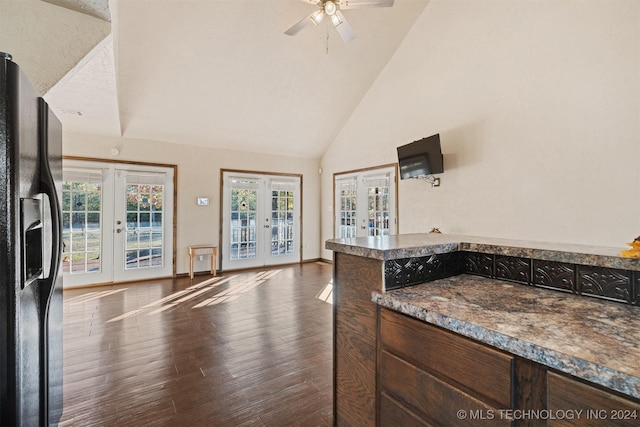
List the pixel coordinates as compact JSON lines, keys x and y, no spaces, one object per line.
{"x":30,"y":288}
{"x":20,"y":358}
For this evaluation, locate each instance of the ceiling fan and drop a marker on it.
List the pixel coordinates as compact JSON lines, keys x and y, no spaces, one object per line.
{"x":332,"y":8}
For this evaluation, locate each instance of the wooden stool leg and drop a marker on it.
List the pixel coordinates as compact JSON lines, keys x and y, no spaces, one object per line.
{"x":191,"y":265}
{"x":215,"y":261}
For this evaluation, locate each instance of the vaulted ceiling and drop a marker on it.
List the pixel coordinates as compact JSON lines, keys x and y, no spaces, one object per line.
{"x":216,"y":73}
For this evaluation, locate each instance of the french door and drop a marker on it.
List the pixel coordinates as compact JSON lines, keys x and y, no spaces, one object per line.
{"x":365,"y":203}
{"x":260,"y":220}
{"x":117,"y":222}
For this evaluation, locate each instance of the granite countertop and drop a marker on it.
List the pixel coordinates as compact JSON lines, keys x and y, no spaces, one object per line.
{"x":418,"y":245}
{"x":596,"y":340}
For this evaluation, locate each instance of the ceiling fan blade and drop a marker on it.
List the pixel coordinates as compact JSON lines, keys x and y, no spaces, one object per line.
{"x":358,"y":4}
{"x":343,"y":28}
{"x":303,"y":23}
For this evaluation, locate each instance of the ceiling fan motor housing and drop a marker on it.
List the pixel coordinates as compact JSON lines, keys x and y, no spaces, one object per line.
{"x":330,"y":8}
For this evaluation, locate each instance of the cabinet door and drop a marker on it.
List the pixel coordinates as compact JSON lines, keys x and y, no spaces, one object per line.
{"x":483,"y":371}
{"x":588,"y":405}
{"x":393,"y":413}
{"x":429,"y":398}
{"x":440,"y":378}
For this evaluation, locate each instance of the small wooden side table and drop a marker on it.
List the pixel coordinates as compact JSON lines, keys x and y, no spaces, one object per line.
{"x":199,"y":250}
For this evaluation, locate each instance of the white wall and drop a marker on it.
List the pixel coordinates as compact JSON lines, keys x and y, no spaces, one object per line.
{"x":538,"y":107}
{"x":199,"y":176}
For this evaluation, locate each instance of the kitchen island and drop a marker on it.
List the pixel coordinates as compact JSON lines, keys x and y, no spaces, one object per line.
{"x":553,"y":313}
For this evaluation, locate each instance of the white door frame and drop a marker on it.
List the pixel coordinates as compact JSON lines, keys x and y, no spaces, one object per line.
{"x":107,"y":274}
{"x":264,"y":224}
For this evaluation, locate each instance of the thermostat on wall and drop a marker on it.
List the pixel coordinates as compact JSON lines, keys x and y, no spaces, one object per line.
{"x":203,"y":201}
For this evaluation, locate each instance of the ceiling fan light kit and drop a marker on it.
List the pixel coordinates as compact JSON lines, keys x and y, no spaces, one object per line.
{"x":332,"y":8}
{"x":317,"y":16}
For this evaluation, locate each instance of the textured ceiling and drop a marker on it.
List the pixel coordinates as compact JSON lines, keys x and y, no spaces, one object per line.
{"x":47,"y":41}
{"x":221,"y":73}
{"x":97,"y":8}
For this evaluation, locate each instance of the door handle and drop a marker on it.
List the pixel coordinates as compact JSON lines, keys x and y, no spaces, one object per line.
{"x":267,"y":226}
{"x":118,"y":230}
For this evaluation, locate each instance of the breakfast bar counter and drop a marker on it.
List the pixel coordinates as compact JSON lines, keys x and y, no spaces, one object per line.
{"x":566,"y":318}
{"x":424,"y":244}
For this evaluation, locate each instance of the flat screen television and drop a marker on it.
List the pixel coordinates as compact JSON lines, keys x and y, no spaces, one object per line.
{"x":420,"y":158}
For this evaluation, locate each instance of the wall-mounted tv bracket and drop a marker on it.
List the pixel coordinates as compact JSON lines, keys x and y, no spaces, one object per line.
{"x":435,"y":182}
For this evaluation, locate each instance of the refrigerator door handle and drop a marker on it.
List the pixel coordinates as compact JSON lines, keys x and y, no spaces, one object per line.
{"x":48,"y":284}
{"x":50,"y":347}
{"x":48,"y":187}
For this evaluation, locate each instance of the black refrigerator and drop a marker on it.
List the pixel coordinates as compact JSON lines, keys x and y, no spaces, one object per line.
{"x":30,"y":248}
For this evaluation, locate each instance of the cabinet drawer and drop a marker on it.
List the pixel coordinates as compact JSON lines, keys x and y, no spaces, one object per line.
{"x":430,"y":398}
{"x":455,"y":359}
{"x":393,"y":413}
{"x":599,"y":407}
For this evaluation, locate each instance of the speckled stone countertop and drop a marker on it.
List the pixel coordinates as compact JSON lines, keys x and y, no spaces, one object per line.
{"x":418,"y":245}
{"x":598,"y":341}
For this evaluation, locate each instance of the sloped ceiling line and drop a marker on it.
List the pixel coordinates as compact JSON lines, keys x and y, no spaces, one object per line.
{"x":85,"y":98}
{"x":47,"y":41}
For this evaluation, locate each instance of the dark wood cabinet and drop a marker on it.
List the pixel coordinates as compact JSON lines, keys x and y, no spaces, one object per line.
{"x":394,"y":370}
{"x":439,"y":378}
{"x":574,"y":400}
{"x":429,"y":376}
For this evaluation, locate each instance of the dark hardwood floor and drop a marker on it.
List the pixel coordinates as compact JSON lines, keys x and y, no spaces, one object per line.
{"x":240,"y":349}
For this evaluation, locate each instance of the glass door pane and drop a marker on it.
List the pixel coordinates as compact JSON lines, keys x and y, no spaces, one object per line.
{"x":347,"y":202}
{"x":377,"y":189}
{"x":243,"y":223}
{"x":144,"y":225}
{"x":81,"y":222}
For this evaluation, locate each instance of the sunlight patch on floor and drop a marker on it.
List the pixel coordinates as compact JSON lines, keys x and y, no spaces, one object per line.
{"x":80,"y":299}
{"x":198,"y":290}
{"x":175,"y":298}
{"x":326,"y":294}
{"x":234,"y":292}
